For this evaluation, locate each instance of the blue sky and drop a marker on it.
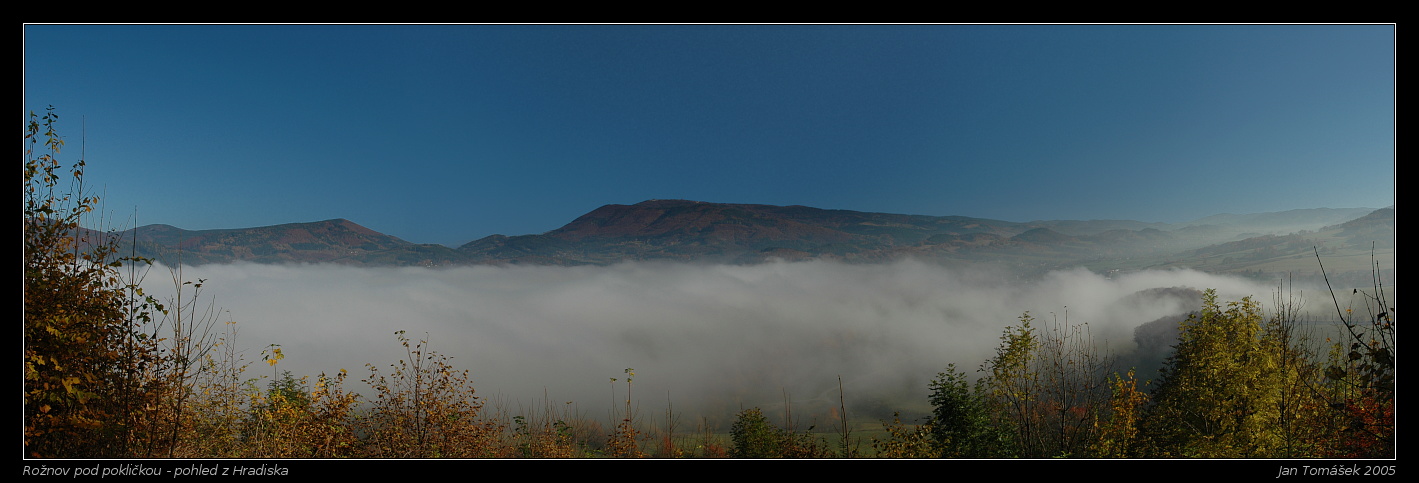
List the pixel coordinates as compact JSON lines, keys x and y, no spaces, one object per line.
{"x":444,"y":134}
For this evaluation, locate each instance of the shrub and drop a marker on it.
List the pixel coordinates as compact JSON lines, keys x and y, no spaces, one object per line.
{"x":89,"y":382}
{"x":754,"y":436}
{"x":426,"y":409}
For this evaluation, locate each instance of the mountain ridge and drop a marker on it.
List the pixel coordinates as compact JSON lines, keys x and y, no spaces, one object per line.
{"x":698,"y":231}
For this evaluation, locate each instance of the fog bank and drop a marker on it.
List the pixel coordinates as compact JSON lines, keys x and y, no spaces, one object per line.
{"x":709,"y":338}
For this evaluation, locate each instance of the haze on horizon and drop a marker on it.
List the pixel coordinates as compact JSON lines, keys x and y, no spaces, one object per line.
{"x":447,"y":133}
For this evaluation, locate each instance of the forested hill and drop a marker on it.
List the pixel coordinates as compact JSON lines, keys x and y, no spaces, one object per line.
{"x":695,"y":231}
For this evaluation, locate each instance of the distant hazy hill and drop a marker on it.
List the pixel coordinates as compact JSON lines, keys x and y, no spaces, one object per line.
{"x":1349,"y":250}
{"x":330,"y":241}
{"x":1378,"y":226}
{"x":1280,"y":223}
{"x":744,"y":233}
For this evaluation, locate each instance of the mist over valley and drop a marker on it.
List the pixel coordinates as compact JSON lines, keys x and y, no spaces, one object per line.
{"x":711,"y":337}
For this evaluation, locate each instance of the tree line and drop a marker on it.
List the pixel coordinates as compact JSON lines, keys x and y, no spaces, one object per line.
{"x":1239,"y":384}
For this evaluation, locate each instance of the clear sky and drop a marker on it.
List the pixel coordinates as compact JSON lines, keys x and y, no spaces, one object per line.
{"x":445,"y":134}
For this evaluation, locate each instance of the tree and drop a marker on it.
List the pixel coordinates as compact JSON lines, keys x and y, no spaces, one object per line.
{"x":84,"y":364}
{"x":961,"y":426}
{"x":1045,"y":391}
{"x":754,"y":436}
{"x":1010,"y":386}
{"x":1073,"y":393}
{"x":1225,"y":391}
{"x":1119,"y":431}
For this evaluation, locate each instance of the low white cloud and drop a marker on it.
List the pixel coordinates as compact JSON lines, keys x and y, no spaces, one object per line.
{"x":710,"y":339}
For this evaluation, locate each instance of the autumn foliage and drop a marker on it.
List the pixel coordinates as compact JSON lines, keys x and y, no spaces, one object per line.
{"x":89,"y":375}
{"x":1239,"y":384}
